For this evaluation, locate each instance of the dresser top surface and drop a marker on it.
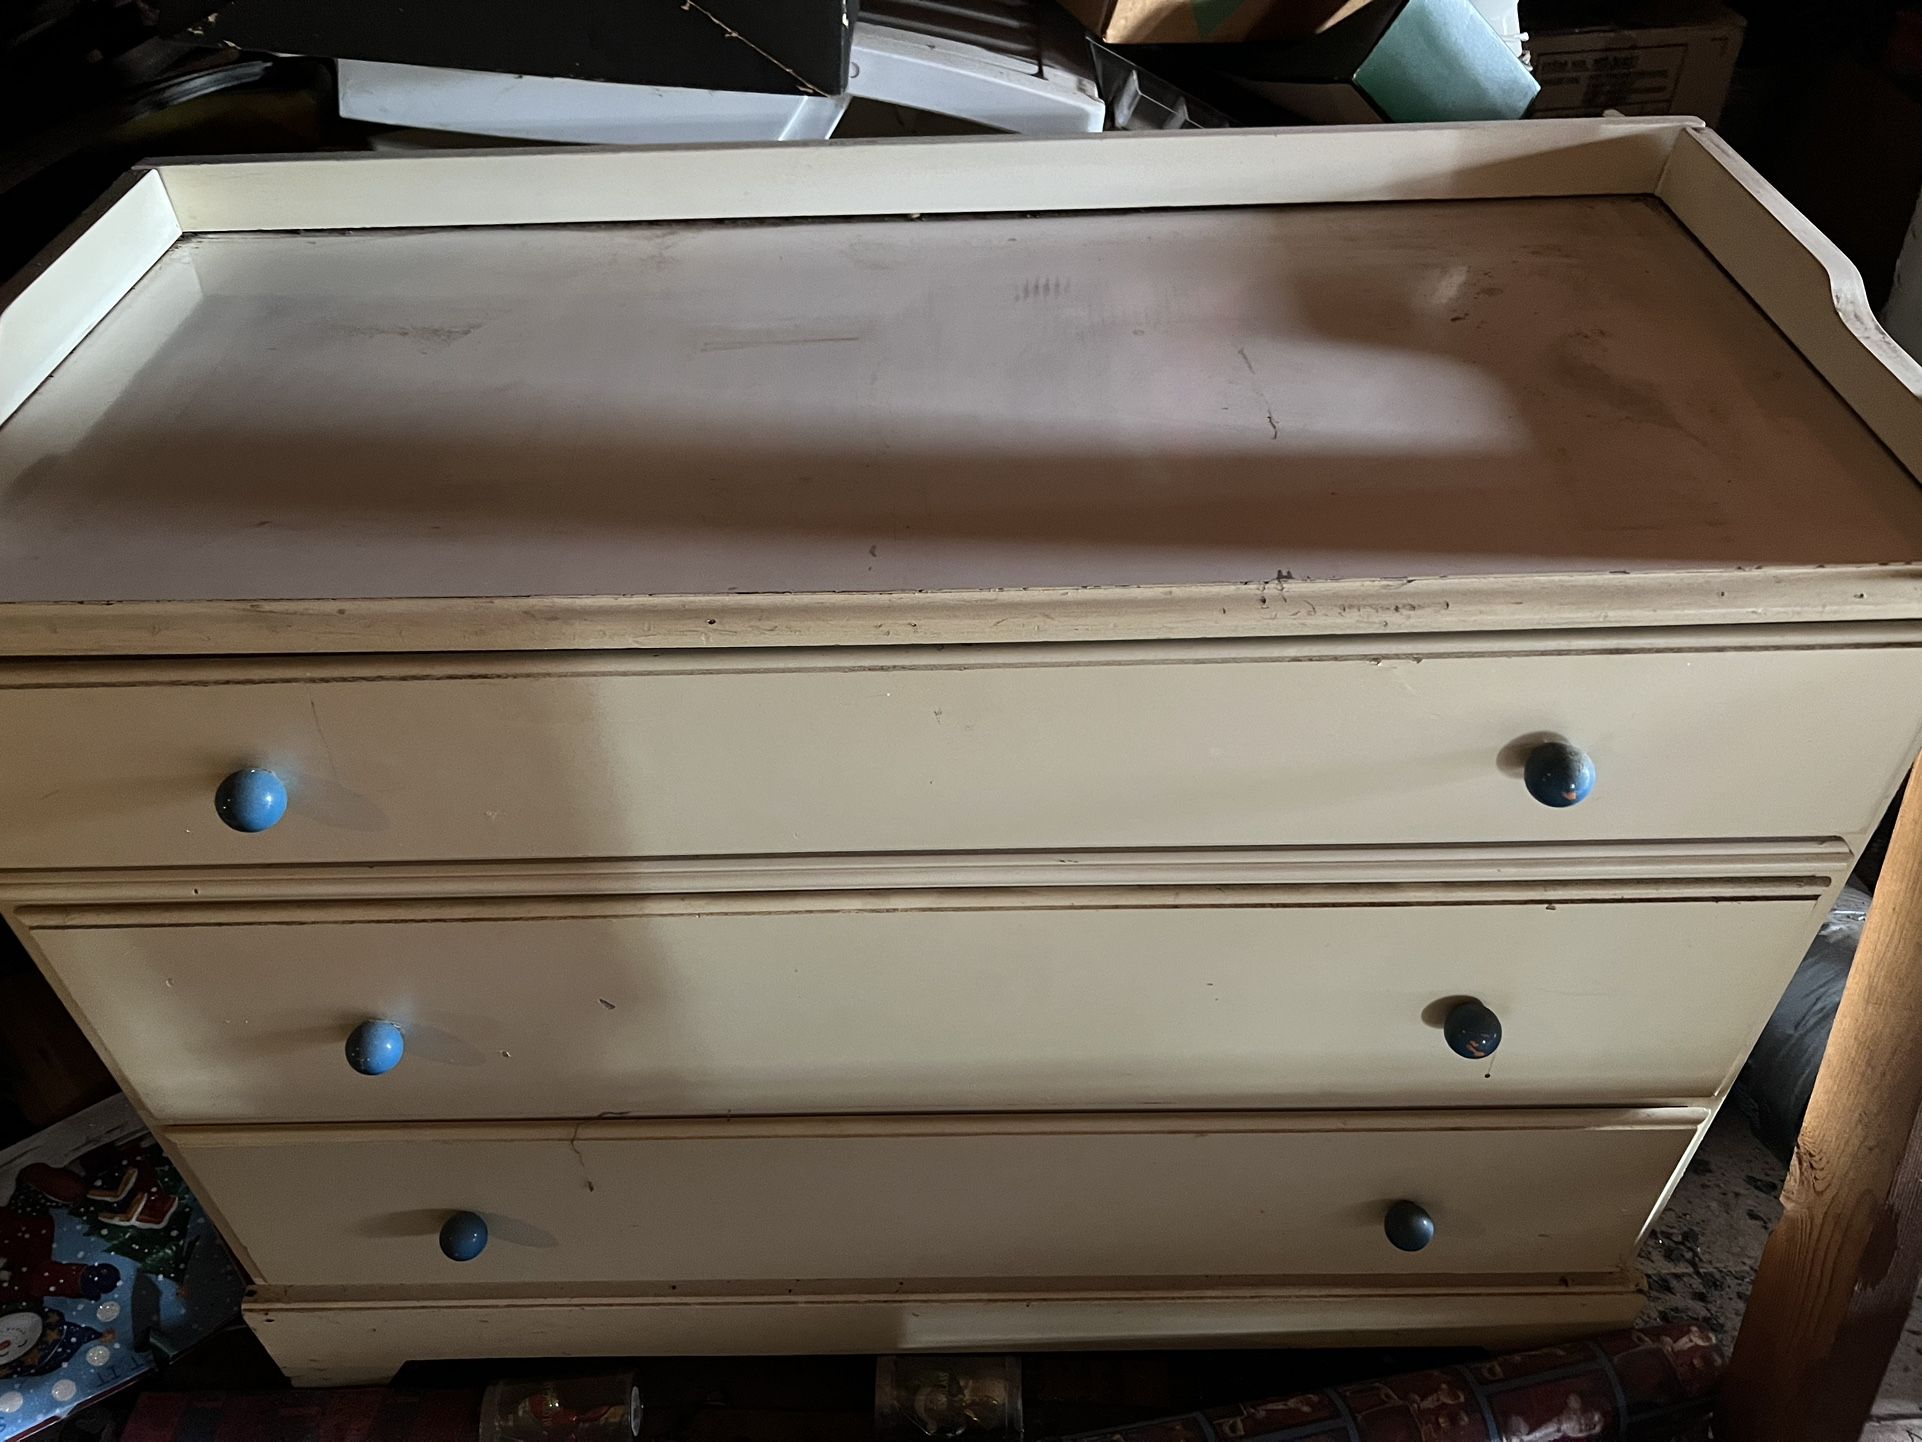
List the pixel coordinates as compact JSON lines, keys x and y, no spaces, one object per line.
{"x":1098,"y":399}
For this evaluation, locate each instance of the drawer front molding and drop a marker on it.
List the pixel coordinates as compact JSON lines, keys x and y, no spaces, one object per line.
{"x":1598,"y":870}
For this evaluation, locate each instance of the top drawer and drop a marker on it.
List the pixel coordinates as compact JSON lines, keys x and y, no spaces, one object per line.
{"x":921,"y":750}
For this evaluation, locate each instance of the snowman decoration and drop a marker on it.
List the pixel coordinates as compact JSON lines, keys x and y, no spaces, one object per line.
{"x":19,"y":1335}
{"x":34,"y":1344}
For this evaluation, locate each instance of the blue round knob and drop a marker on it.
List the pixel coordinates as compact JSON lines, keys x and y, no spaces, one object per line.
{"x":463,"y":1236}
{"x":375,"y":1048}
{"x":1558,"y":774}
{"x":1472,"y":1030}
{"x":1409,"y":1226}
{"x":251,"y":800}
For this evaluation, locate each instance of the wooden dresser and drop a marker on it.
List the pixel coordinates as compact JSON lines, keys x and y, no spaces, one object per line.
{"x":1169,"y":739}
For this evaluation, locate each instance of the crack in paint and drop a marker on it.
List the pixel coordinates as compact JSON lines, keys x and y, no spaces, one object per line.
{"x":1273,"y":428}
{"x":574,"y":1145}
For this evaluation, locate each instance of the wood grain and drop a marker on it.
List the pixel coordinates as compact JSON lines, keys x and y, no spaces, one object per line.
{"x":1839,"y":1273}
{"x":47,"y":1066}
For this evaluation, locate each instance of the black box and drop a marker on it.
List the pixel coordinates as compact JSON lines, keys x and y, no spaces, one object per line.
{"x":781,"y":46}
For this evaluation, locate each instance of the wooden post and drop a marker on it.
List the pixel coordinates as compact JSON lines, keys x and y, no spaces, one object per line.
{"x":1840,"y":1269}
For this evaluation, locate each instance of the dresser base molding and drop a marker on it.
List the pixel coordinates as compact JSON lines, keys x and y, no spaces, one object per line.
{"x":338,"y":1339}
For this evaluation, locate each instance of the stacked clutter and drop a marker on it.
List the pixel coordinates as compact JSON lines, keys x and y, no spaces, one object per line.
{"x":1336,"y":61}
{"x":1652,"y":1384}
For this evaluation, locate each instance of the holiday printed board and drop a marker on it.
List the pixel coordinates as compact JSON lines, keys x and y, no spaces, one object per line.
{"x":107,"y":1264}
{"x":1652,"y":1384}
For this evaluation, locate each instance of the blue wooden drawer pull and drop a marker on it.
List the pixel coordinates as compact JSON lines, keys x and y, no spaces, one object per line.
{"x":1472,"y":1030}
{"x":251,"y":799}
{"x":375,"y":1048}
{"x":1409,"y":1227}
{"x":1558,"y":774}
{"x":463,"y":1236}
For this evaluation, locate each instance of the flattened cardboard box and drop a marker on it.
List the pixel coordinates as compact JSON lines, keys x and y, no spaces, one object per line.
{"x":1648,"y":59}
{"x":1175,"y":22}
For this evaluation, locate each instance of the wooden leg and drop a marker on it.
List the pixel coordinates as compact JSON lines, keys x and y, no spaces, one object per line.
{"x":1840,"y":1269}
{"x":324,"y":1356}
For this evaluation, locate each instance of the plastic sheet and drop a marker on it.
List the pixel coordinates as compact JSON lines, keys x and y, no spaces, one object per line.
{"x":1775,"y":1085}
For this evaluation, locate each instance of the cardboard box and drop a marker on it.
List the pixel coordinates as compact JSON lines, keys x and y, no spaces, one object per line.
{"x":1400,"y":60}
{"x":1653,"y":58}
{"x":1176,"y":22}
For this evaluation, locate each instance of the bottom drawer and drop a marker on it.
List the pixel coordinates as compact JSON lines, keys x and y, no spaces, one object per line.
{"x":1112,"y":1196}
{"x":353,"y":1338}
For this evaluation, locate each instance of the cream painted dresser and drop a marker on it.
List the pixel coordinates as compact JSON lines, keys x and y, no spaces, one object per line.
{"x":947,"y":744}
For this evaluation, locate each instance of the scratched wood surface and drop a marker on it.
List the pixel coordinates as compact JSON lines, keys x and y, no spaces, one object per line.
{"x":1202,"y":396}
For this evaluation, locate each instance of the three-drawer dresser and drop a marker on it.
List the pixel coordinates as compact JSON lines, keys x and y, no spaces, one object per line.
{"x":1140,"y":740}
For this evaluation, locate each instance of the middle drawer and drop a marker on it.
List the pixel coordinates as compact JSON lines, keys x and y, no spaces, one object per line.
{"x":1092,"y":998}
